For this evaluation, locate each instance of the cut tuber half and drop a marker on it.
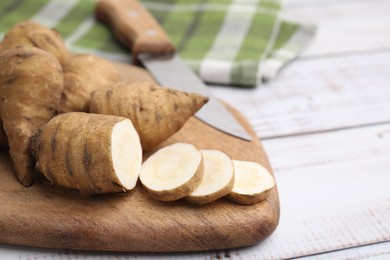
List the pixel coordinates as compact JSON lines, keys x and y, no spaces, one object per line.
{"x":173,"y":172}
{"x":218,"y":178}
{"x":88,"y":152}
{"x":252,"y":183}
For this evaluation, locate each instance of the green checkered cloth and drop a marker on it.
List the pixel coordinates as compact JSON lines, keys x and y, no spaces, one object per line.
{"x":226,"y":42}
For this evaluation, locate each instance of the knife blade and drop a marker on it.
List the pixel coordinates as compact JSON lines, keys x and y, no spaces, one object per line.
{"x":134,"y":26}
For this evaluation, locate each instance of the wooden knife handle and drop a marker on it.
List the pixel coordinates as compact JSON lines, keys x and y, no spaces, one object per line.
{"x":134,"y":26}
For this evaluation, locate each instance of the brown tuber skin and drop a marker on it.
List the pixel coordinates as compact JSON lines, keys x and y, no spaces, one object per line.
{"x":3,"y":136}
{"x":29,"y":33}
{"x":84,"y":74}
{"x":31,"y":84}
{"x":156,"y":112}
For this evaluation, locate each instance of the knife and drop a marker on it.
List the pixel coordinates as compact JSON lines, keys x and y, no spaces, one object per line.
{"x":134,"y":26}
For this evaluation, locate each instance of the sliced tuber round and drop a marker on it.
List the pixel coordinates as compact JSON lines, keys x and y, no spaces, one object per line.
{"x":218,"y":178}
{"x":92,"y":153}
{"x":173,"y":172}
{"x":252,"y":183}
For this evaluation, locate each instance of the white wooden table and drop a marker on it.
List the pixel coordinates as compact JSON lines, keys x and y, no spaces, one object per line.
{"x":325,"y":124}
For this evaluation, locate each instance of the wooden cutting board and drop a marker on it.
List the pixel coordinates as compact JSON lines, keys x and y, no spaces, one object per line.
{"x":53,"y":217}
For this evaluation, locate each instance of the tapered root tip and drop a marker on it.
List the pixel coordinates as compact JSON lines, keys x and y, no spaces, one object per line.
{"x":199,"y":101}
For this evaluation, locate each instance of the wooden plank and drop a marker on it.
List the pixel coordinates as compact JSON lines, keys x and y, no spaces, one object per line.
{"x":343,"y":27}
{"x":379,"y":251}
{"x":53,"y":217}
{"x":134,"y":222}
{"x":317,"y":95}
{"x":334,"y":192}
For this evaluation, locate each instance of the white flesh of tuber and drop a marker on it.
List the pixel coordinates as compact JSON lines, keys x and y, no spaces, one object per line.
{"x":126,"y":153}
{"x":252,"y":183}
{"x":218,"y":178}
{"x":173,"y":172}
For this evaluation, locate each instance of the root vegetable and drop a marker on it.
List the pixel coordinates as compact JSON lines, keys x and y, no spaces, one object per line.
{"x":156,"y":112}
{"x":218,"y":178}
{"x":91,"y":153}
{"x":30,"y":89}
{"x":3,"y":136}
{"x":29,"y":33}
{"x":252,"y":183}
{"x":83,"y":74}
{"x":173,"y":172}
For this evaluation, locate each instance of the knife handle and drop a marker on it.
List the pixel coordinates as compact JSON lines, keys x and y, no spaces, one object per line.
{"x":134,"y":26}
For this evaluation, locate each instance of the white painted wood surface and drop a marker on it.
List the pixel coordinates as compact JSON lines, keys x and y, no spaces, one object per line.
{"x":314,"y":95}
{"x":325,"y":124}
{"x":344,"y":26}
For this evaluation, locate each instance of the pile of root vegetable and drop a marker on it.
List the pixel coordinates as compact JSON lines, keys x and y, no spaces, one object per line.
{"x":73,"y":119}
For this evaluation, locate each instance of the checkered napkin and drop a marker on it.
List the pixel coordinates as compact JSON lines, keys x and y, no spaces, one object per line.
{"x":227,"y":42}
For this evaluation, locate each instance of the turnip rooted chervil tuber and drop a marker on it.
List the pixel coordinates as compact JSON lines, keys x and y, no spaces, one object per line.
{"x":32,"y":34}
{"x":30,"y":89}
{"x":91,"y":153}
{"x":29,"y":33}
{"x":156,"y":112}
{"x":83,"y":74}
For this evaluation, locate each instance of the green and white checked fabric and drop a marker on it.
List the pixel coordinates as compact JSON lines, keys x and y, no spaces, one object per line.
{"x":227,"y":42}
